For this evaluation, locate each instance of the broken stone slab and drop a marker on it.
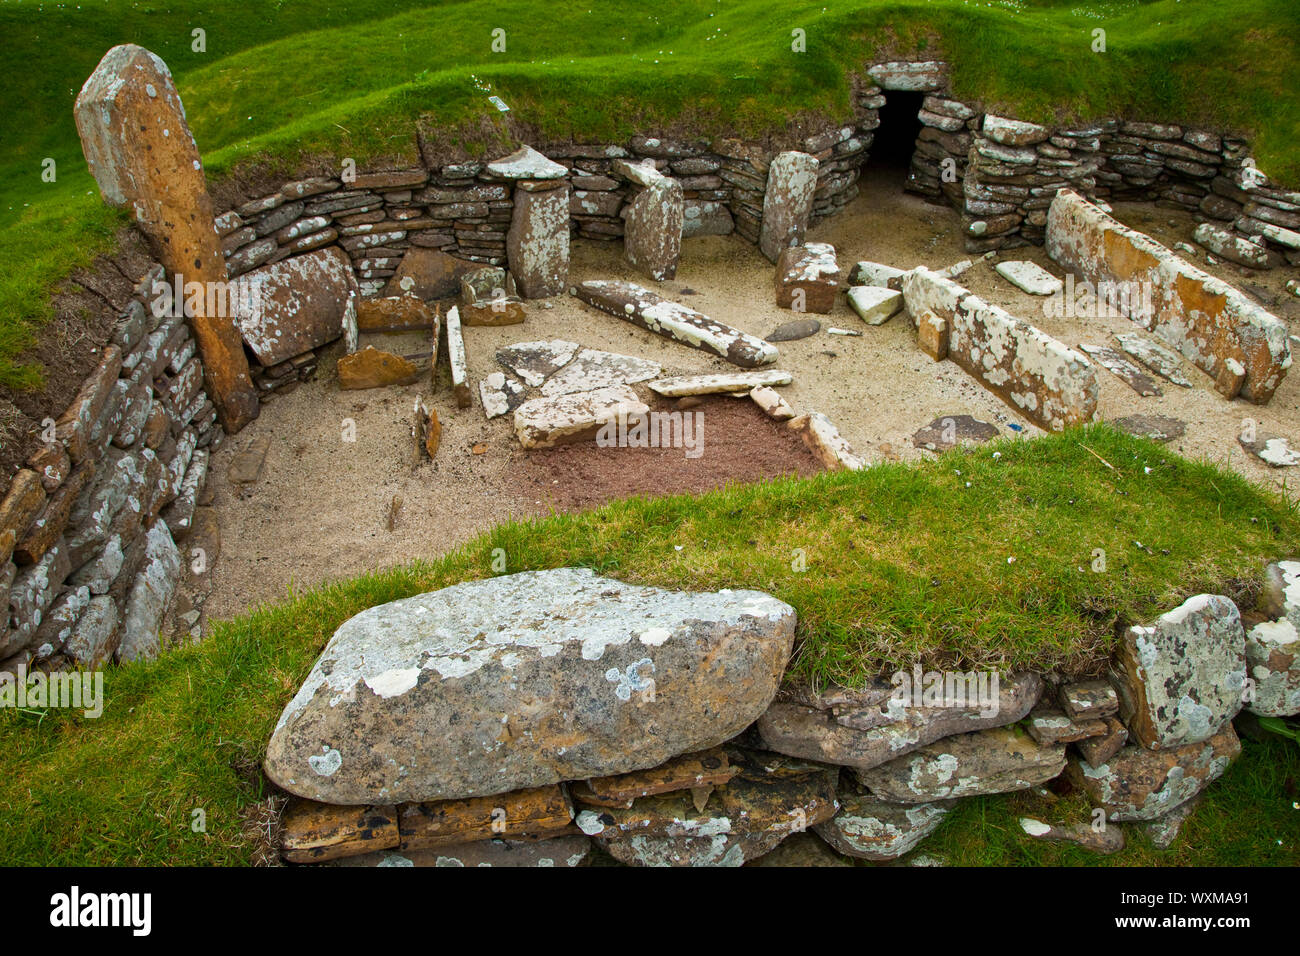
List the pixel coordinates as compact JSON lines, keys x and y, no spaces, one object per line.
{"x":932,"y":335}
{"x":771,"y":402}
{"x":1029,"y":277}
{"x":769,"y":799}
{"x":1273,"y":450}
{"x":534,"y":362}
{"x":868,"y":727}
{"x":787,"y":202}
{"x":537,"y":244}
{"x":549,"y":421}
{"x":675,"y":321}
{"x":871,"y":829}
{"x":428,"y":274}
{"x":246,"y":466}
{"x":878,"y":275}
{"x":793,"y":331}
{"x":1230,"y":246}
{"x":94,"y":638}
{"x":295,"y":305}
{"x":875,"y":305}
{"x":1206,"y":320}
{"x":533,"y":813}
{"x":695,"y":772}
{"x":1123,"y":369}
{"x":525,"y":163}
{"x":457,"y":360}
{"x":949,"y":431}
{"x":652,"y":228}
{"x":500,"y":394}
{"x":1154,"y":356}
{"x":525,"y":680}
{"x":375,"y":368}
{"x":22,"y":503}
{"x":591,"y":369}
{"x":1183,"y":676}
{"x":1161,"y":428}
{"x":1138,"y":784}
{"x":720,"y":382}
{"x":1000,"y":760}
{"x":150,"y":596}
{"x":826,"y":443}
{"x":1035,"y":374}
{"x":1105,"y":840}
{"x":807,"y":278}
{"x":316,"y":832}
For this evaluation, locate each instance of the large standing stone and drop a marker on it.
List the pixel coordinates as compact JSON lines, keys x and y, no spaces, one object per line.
{"x":140,"y":151}
{"x":872,"y":829}
{"x":296,"y":304}
{"x":1141,"y":784}
{"x":537,"y":245}
{"x":652,"y":226}
{"x":1184,"y":676}
{"x":787,"y":202}
{"x":523,"y":681}
{"x":674,"y":321}
{"x":868,"y":727}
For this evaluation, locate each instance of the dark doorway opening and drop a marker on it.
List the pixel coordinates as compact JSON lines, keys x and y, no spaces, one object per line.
{"x":895,"y":141}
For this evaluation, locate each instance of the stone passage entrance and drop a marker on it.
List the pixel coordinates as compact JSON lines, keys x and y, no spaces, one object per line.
{"x":896,"y":137}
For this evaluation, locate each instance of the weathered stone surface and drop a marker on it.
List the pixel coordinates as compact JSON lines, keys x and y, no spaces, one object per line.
{"x":1273,"y":646}
{"x":769,"y":799}
{"x":428,"y":274}
{"x":787,"y":202}
{"x":58,"y":622}
{"x":1272,"y":450}
{"x":721,"y":382}
{"x":246,"y":466}
{"x":652,"y":228}
{"x":74,"y":427}
{"x":538,"y":812}
{"x":908,"y":76}
{"x":1128,"y":373}
{"x":1160,"y":428}
{"x":868,"y":727}
{"x":525,"y":163}
{"x":1206,"y":320}
{"x":872,"y":829}
{"x":315,"y":832}
{"x":49,"y":527}
{"x":988,"y":761}
{"x":876,"y":274}
{"x":675,"y":321}
{"x":534,"y":362}
{"x":793,"y":331}
{"x":771,"y":402}
{"x":875,"y":305}
{"x":537,"y":245}
{"x":1106,"y":840}
{"x":1034,"y":373}
{"x":826,"y":443}
{"x":807,"y":278}
{"x":1088,"y":700}
{"x":398,"y":313}
{"x":1097,"y":750}
{"x":374,"y":368}
{"x":1139,"y":784}
{"x":949,"y":431}
{"x":33,"y":591}
{"x":52,"y":463}
{"x":500,"y":394}
{"x":801,"y":850}
{"x":457,"y":359}
{"x":1011,"y":132}
{"x":706,"y":218}
{"x":140,"y":151}
{"x":1230,"y":246}
{"x":591,"y":369}
{"x":556,"y":852}
{"x":296,"y":304}
{"x":150,"y":596}
{"x":553,"y":420}
{"x":19,"y":508}
{"x":1183,"y":676}
{"x":1048,"y":726}
{"x":1029,"y":277}
{"x":695,"y":772}
{"x":95,"y":637}
{"x":526,"y":680}
{"x":1163,"y":830}
{"x":932,"y":335}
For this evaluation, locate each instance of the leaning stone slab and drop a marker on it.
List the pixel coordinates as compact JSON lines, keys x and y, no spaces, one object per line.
{"x":1123,"y":369}
{"x":874,"y":304}
{"x":1138,"y":784}
{"x":1206,"y":320}
{"x":871,"y":829}
{"x":807,"y":278}
{"x":652,"y":228}
{"x":675,"y":321}
{"x":876,"y":274}
{"x":1154,"y":356}
{"x":1183,"y":676}
{"x":787,"y":202}
{"x":1029,"y":277}
{"x":1000,"y":760}
{"x":592,"y":369}
{"x":457,"y":359}
{"x":537,"y":244}
{"x":721,"y":382}
{"x":295,"y":305}
{"x":826,"y":443}
{"x":30,"y":597}
{"x":868,"y":727}
{"x":1038,"y":376}
{"x":526,"y":680}
{"x":428,"y":274}
{"x":552,"y":420}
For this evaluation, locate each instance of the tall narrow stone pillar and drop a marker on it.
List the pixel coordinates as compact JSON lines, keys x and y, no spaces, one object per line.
{"x":140,"y":150}
{"x":537,"y":245}
{"x":787,"y":202}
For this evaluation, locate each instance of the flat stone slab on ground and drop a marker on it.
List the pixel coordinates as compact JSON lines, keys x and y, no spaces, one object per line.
{"x":525,"y":680}
{"x":1161,"y":428}
{"x":1272,"y":450}
{"x":534,"y":362}
{"x":1123,"y":369}
{"x":592,"y":368}
{"x":552,"y":420}
{"x":949,"y":431}
{"x":500,"y":394}
{"x":1163,"y":361}
{"x":876,"y":274}
{"x":674,"y":321}
{"x":720,"y":382}
{"x":1029,"y":277}
{"x":793,"y":331}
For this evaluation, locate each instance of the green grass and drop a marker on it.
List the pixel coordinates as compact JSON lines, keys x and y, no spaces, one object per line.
{"x":283,"y":79}
{"x":904,"y":564}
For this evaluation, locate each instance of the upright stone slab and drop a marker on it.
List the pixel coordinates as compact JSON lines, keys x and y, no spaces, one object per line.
{"x":295,"y":305}
{"x":140,"y":151}
{"x":787,"y":202}
{"x":652,"y":226}
{"x":537,"y":246}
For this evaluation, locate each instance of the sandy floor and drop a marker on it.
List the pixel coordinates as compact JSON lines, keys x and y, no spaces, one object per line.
{"x":320,"y":510}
